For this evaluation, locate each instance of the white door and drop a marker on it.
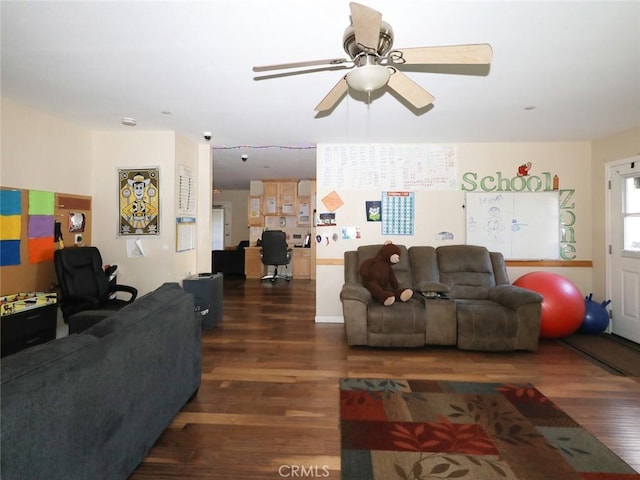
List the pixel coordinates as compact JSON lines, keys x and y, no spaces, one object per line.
{"x":624,"y":236}
{"x":217,"y":229}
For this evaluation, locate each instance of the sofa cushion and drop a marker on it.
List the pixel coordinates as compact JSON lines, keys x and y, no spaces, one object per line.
{"x":424,"y":270}
{"x":39,"y":356}
{"x":79,"y":322}
{"x":467,"y":269}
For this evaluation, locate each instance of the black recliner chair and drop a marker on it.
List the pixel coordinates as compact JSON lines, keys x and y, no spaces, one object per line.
{"x":86,"y":294}
{"x":275,"y":252}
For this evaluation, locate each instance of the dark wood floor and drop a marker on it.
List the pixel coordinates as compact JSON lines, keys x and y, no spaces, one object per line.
{"x":268,"y":404}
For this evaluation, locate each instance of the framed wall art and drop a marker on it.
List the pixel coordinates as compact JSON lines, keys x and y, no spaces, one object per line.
{"x":139,"y":198}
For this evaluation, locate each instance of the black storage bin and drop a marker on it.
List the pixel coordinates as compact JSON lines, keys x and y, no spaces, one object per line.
{"x":208,"y":297}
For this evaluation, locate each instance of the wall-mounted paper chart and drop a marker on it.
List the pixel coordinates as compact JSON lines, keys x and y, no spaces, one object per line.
{"x":387,"y":166}
{"x":398,"y":209}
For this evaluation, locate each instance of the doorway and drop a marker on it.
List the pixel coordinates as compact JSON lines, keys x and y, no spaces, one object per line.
{"x":623,"y":266}
{"x":217,"y":229}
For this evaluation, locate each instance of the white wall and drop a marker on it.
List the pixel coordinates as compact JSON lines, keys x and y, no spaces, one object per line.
{"x":188,"y":154}
{"x":443,"y":211}
{"x":163,"y":149}
{"x":238,"y":202}
{"x":42,"y":152}
{"x":615,"y":147}
{"x":205,"y":186}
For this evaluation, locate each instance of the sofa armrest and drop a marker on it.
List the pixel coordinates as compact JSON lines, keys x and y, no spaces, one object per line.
{"x":512,"y":296}
{"x":355,"y":300}
{"x":355,"y":291}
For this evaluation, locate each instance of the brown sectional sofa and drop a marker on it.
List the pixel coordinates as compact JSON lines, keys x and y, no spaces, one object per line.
{"x":462,"y":297}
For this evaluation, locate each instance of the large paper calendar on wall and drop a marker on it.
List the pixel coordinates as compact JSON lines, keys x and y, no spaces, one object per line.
{"x":393,"y":167}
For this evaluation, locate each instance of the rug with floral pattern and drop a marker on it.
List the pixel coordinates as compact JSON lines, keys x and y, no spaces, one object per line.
{"x":428,"y":429}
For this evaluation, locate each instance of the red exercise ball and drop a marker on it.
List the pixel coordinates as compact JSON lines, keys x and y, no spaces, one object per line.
{"x":563,"y":306}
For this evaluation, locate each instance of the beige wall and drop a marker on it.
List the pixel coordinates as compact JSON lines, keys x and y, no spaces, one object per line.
{"x":605,"y":150}
{"x":438,"y":211}
{"x":237,"y":203}
{"x":163,"y":149}
{"x":41,"y":151}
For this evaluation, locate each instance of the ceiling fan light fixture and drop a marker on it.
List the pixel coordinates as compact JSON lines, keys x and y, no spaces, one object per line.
{"x":368,"y":78}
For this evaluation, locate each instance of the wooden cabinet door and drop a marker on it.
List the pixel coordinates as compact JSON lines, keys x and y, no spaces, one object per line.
{"x":253,"y":267}
{"x":270,"y":198}
{"x":301,"y":263}
{"x":287,"y":194}
{"x":279,"y":197}
{"x":303,"y":211}
{"x":254,"y":213}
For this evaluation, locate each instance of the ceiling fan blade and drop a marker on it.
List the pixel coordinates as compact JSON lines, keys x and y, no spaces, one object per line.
{"x":334,"y":96}
{"x":292,"y":73}
{"x":309,"y":63}
{"x":409,"y":90}
{"x":366,"y":25}
{"x":451,"y":54}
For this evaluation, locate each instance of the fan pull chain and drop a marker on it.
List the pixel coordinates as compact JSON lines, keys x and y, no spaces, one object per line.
{"x":369,"y":114}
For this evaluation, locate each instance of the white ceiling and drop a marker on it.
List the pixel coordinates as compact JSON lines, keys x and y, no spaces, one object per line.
{"x":93,"y":63}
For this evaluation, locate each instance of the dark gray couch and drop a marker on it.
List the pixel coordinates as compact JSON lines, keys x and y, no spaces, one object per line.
{"x":91,"y":405}
{"x":480,"y":311}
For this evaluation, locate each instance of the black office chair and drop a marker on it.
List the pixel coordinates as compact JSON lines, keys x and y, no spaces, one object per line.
{"x":275,"y":252}
{"x":86,"y":294}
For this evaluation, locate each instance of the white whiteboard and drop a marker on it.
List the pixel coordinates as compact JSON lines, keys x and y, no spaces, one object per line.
{"x":520,"y":225}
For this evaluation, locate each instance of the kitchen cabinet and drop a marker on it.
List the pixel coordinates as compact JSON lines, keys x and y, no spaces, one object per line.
{"x":303,"y":211}
{"x":253,"y":267}
{"x":254,"y":214}
{"x":279,"y":197}
{"x":300,"y":266}
{"x":301,"y":263}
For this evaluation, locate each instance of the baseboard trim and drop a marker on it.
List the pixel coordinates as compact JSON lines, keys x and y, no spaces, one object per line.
{"x":329,"y":319}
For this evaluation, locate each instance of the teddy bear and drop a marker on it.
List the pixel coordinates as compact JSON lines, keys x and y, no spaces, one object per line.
{"x":378,"y":277}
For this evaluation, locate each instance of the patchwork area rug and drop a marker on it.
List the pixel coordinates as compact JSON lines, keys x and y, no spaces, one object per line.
{"x":427,"y":429}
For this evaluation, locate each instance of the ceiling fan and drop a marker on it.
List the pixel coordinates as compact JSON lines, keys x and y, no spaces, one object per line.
{"x":368,"y":41}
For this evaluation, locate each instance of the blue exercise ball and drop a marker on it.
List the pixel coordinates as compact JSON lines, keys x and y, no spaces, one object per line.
{"x":596,"y":317}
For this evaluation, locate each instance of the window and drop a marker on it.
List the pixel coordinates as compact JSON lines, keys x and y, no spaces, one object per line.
{"x":631,"y":214}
